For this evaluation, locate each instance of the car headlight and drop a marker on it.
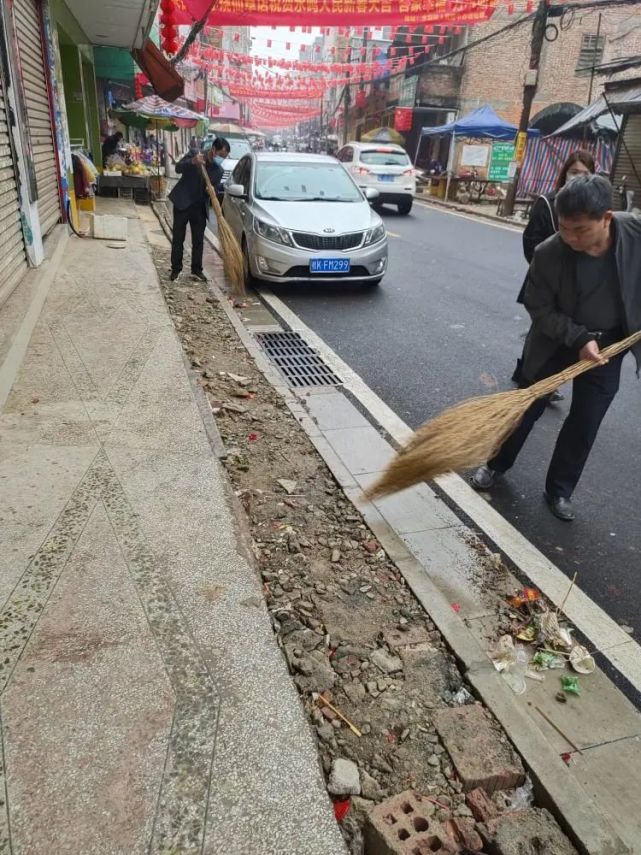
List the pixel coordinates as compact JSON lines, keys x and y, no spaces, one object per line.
{"x":375,"y":234}
{"x":273,"y":233}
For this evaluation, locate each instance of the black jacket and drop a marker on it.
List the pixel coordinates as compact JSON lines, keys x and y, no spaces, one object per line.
{"x":543,"y":223}
{"x":190,"y":190}
{"x":551,"y":294}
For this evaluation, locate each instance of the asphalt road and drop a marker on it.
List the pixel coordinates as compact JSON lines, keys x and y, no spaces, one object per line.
{"x":443,"y":326}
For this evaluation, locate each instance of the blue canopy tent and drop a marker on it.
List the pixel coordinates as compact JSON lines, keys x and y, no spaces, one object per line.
{"x":481,"y":123}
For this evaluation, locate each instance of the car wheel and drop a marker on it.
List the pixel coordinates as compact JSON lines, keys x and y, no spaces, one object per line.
{"x":405,"y":206}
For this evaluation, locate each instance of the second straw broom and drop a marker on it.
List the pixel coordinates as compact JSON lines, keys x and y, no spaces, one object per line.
{"x":470,"y":433}
{"x":230,"y":250}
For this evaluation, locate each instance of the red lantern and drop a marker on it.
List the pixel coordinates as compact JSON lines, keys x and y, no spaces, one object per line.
{"x":361,"y":99}
{"x":170,"y":45}
{"x":167,"y":5}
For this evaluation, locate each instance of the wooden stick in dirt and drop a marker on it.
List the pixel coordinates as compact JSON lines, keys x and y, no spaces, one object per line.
{"x":565,"y":599}
{"x":557,"y":728}
{"x":231,"y":251}
{"x":469,"y":434}
{"x":351,"y":726}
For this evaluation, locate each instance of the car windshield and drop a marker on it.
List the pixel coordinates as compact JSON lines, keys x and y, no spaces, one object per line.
{"x":238,"y":148}
{"x":304,"y":182}
{"x":384,"y":158}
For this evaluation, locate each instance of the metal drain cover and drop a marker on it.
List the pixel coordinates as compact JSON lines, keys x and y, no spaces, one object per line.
{"x":299,"y":364}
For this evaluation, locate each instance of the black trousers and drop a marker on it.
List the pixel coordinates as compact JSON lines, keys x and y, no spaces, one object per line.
{"x":592,"y":394}
{"x":196,"y":216}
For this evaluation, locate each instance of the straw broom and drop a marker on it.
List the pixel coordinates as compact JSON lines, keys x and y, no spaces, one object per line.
{"x":470,"y":433}
{"x":231,"y":251}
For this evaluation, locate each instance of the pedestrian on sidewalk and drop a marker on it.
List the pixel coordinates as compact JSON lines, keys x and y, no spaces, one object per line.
{"x":190,"y":201}
{"x":583,"y":293}
{"x":543,"y":223}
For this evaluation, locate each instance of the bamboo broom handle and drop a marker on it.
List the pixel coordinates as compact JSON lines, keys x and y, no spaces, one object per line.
{"x":212,"y":193}
{"x":549,"y":384}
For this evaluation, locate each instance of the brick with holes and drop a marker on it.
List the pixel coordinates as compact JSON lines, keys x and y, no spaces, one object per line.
{"x":406,"y":824}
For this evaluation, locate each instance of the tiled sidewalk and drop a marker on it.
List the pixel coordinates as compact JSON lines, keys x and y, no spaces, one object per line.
{"x":145,"y":705}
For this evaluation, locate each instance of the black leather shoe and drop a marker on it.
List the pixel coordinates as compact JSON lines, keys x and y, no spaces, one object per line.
{"x":174,"y":275}
{"x":560,"y":507}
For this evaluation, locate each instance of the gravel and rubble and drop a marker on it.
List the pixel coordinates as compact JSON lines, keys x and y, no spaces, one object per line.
{"x":371,"y":668}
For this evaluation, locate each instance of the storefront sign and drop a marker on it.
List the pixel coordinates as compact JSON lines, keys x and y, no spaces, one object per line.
{"x":521,"y":142}
{"x":407,"y":94}
{"x":502,"y":157}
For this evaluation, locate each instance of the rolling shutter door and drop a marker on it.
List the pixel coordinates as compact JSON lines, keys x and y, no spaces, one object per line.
{"x":13,"y":259}
{"x":27,"y":25}
{"x":627,"y":162}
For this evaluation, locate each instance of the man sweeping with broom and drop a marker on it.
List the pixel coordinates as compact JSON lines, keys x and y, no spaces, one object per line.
{"x":189,"y":199}
{"x":583,"y":294}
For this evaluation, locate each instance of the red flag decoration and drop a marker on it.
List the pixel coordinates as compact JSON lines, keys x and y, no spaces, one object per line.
{"x":403,"y":119}
{"x":336,"y":13}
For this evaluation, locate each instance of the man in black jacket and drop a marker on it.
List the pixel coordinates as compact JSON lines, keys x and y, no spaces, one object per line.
{"x":190,"y":200}
{"x":583,"y":293}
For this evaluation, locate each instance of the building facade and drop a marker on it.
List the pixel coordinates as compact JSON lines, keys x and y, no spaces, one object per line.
{"x":48,"y":107}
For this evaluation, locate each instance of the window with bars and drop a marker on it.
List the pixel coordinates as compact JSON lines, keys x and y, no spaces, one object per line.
{"x":591,"y":53}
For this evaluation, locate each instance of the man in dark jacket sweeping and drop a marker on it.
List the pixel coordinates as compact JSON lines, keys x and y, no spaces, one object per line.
{"x":583,"y":293}
{"x":190,"y":200}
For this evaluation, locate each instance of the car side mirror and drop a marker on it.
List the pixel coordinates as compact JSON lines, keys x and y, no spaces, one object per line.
{"x":371,"y":194}
{"x":237,"y":191}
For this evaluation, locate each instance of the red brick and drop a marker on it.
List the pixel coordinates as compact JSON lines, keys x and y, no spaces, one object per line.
{"x":406,"y":824}
{"x":465,"y":834}
{"x":482,"y":807}
{"x":479,"y":752}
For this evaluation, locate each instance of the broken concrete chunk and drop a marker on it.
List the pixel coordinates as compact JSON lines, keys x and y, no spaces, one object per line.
{"x":344,"y":779}
{"x":288,"y":486}
{"x":385,"y":661}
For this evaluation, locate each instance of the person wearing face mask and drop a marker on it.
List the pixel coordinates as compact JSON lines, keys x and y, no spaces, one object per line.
{"x":543,"y":224}
{"x":583,"y":293}
{"x":190,"y":201}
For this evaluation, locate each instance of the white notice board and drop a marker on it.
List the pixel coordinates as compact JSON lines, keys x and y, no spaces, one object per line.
{"x":475,"y":155}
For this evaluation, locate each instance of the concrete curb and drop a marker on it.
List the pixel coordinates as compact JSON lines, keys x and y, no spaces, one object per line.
{"x":428,"y":200}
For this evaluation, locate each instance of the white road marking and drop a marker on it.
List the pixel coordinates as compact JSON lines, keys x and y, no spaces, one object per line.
{"x":589,"y":618}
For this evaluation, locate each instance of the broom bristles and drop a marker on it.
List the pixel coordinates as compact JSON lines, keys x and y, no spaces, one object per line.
{"x":230,"y":250}
{"x":470,"y":433}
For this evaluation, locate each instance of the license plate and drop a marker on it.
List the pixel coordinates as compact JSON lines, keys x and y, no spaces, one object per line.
{"x":386,"y":177}
{"x":329,"y":265}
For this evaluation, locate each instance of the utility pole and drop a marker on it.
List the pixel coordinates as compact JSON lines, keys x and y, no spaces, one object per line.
{"x":529,"y":91}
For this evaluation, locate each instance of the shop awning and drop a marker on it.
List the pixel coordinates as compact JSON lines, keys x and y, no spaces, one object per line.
{"x":113,"y":22}
{"x":617,"y":98}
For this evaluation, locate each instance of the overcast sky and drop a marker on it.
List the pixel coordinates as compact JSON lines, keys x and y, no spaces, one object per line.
{"x":279,"y":38}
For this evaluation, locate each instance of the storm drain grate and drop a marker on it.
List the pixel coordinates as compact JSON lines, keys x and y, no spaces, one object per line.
{"x":299,"y":364}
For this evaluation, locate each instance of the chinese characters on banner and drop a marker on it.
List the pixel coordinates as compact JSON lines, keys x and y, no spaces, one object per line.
{"x":335,"y":12}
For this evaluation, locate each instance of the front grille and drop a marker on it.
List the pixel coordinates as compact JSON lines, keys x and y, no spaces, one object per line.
{"x":295,"y":359}
{"x":309,"y":241}
{"x":301,"y":272}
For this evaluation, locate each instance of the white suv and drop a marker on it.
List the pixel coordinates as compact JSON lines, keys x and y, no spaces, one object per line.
{"x":384,"y":166}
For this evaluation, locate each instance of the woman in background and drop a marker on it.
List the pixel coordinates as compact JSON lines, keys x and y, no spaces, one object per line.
{"x":543,"y":224}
